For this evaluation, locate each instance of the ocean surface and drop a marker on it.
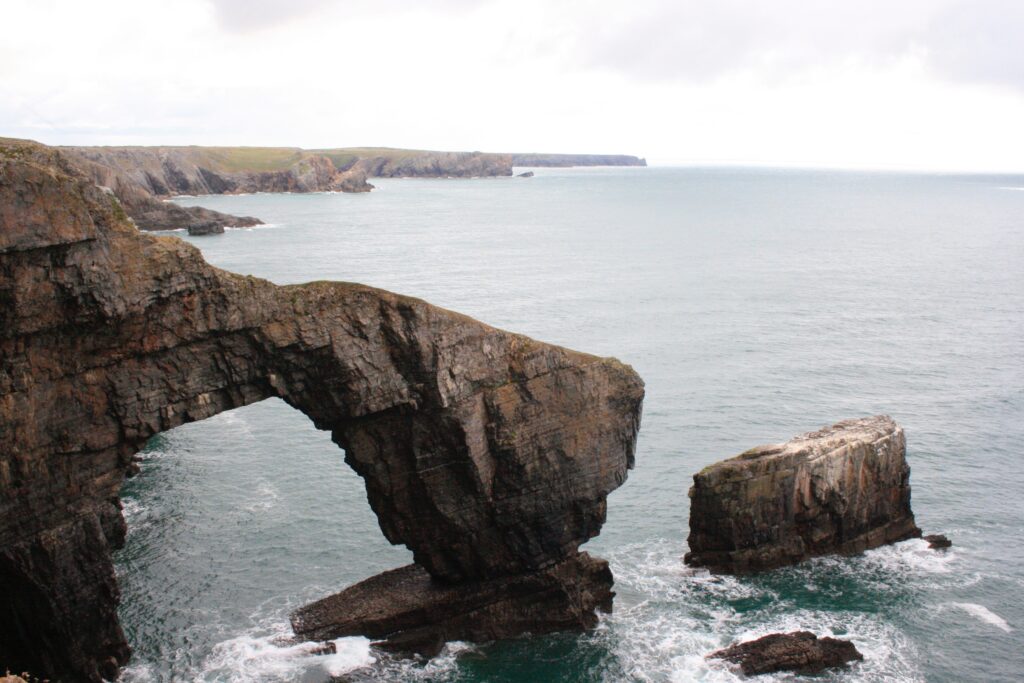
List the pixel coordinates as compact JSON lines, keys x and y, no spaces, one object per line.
{"x":757,"y":304}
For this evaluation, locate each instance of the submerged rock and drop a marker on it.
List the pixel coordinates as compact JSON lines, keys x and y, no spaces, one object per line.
{"x":843,"y":489}
{"x":938,"y":541}
{"x":800,"y":652}
{"x":488,"y":454}
{"x":525,"y":174}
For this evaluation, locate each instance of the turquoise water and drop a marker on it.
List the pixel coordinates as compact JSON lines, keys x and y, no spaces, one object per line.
{"x":756,"y":304}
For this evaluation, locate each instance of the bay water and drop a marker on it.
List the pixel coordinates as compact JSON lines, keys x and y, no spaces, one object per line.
{"x":757,"y":304}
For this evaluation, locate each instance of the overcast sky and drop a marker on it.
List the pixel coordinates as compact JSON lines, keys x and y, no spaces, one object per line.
{"x":933,"y":84}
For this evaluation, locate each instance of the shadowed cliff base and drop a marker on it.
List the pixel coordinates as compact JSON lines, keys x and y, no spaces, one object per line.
{"x":488,"y":454}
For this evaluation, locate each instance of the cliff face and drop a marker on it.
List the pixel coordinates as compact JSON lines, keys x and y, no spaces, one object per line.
{"x":566,"y":160}
{"x":140,"y":176}
{"x":168,"y":171}
{"x":437,"y":165}
{"x":842,"y":489}
{"x":489,"y":454}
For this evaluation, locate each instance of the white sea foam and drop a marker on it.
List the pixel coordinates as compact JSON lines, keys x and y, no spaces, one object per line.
{"x":984,"y":614}
{"x":131,"y":508}
{"x":264,"y":656}
{"x":266,"y":497}
{"x":685,"y":614}
{"x":250,"y":228}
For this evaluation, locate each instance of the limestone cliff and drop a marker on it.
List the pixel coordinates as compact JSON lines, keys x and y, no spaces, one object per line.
{"x":842,"y":489}
{"x":489,"y":454}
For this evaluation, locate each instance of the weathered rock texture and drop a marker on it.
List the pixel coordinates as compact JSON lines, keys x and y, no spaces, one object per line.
{"x":842,"y":489}
{"x":414,"y":612}
{"x":488,"y":454}
{"x":800,"y":652}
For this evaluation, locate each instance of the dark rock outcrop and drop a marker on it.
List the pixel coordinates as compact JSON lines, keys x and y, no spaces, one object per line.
{"x":800,"y":652}
{"x":938,"y":541}
{"x":527,"y":174}
{"x":413,"y":612}
{"x":568,"y":160}
{"x":489,"y":454}
{"x":843,"y":489}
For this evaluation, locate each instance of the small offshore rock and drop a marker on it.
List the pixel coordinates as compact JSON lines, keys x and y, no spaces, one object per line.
{"x":206,"y":228}
{"x":938,"y":541}
{"x":526,"y":174}
{"x":800,"y":652}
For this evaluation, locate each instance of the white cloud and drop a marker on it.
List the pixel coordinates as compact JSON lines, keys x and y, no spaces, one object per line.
{"x":934,"y":84}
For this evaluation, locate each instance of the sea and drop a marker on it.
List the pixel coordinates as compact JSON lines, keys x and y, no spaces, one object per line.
{"x":756,"y":303}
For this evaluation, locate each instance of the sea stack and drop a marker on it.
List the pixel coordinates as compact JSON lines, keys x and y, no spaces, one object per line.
{"x":842,"y":489}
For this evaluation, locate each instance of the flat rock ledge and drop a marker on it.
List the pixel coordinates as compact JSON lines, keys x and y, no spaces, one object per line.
{"x":843,"y":489}
{"x":411,"y":613}
{"x":801,"y":652}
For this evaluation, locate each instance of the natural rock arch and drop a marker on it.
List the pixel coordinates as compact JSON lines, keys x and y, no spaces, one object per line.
{"x":488,"y":454}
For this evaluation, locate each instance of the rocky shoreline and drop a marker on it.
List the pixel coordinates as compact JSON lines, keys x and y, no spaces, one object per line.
{"x":488,"y":454}
{"x":141,"y":176}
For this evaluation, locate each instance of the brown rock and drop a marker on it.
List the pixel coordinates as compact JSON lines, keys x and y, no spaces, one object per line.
{"x":413,"y":612}
{"x":800,"y":652}
{"x":489,"y":454}
{"x":938,"y":541}
{"x":843,"y":489}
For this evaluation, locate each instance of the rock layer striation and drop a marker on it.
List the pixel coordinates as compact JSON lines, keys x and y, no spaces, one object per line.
{"x":843,"y":489}
{"x":488,"y":454}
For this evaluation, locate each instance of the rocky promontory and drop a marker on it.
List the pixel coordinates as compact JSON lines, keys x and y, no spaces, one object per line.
{"x":141,"y":177}
{"x":842,"y":489}
{"x":488,"y":454}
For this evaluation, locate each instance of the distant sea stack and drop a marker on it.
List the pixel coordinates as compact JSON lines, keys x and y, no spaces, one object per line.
{"x":842,"y":489}
{"x":488,"y":454}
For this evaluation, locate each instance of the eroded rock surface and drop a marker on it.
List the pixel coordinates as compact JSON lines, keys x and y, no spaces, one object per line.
{"x":489,"y":454}
{"x":413,"y":612}
{"x":843,"y":489}
{"x":800,"y":652}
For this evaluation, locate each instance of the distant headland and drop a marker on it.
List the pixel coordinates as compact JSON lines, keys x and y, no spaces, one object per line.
{"x":141,"y":177}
